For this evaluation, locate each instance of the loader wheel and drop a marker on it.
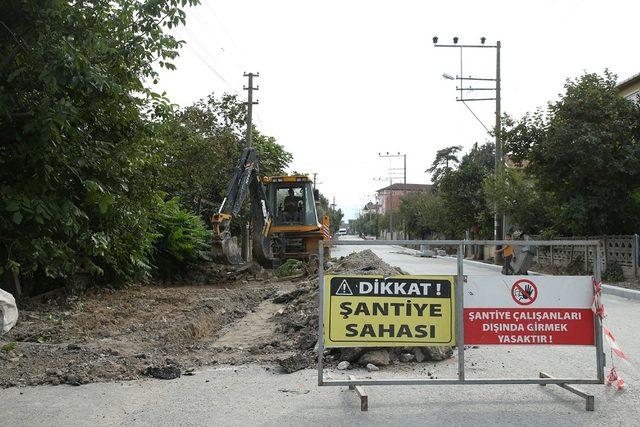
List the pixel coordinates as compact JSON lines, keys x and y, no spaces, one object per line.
{"x":277,"y":247}
{"x":312,"y":265}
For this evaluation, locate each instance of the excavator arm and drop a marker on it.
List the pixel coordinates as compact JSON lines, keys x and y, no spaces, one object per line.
{"x":245,"y":181}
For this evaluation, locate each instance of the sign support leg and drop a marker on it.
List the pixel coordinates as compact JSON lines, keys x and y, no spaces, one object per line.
{"x":590,"y":404}
{"x":600,"y":357}
{"x":320,"y":313}
{"x":460,"y":312}
{"x":362,"y":394}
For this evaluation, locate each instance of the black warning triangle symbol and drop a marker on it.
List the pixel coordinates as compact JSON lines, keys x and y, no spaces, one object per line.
{"x":344,"y":289}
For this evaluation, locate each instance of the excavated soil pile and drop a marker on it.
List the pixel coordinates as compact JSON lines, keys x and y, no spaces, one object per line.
{"x":160,"y":331}
{"x":297,"y":321}
{"x":232,"y":315}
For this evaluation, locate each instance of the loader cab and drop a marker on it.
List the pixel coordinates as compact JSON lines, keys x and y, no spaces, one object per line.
{"x":291,"y":201}
{"x":295,"y":231}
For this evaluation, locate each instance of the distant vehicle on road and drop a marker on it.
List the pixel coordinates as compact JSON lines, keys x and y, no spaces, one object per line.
{"x":342,"y":231}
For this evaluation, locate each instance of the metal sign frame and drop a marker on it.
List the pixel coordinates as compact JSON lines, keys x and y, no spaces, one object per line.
{"x":543,"y":379}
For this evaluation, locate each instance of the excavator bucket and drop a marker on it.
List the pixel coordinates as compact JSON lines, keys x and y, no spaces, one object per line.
{"x":226,"y":251}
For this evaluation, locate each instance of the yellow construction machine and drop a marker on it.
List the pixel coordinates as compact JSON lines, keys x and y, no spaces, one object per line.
{"x":283,"y":211}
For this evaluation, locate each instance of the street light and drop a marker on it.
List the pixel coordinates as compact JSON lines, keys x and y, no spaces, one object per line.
{"x":498,"y":222}
{"x":448,"y":76}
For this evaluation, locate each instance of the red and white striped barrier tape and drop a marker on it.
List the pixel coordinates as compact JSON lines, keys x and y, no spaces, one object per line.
{"x":598,"y":309}
{"x":613,"y":344}
{"x":614,"y":378}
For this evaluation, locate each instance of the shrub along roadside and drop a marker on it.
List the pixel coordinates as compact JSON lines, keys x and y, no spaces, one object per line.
{"x":181,"y":239}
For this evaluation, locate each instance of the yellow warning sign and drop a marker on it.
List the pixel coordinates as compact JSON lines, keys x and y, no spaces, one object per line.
{"x":396,"y":311}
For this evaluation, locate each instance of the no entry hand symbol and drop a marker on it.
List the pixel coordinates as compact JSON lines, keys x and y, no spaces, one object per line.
{"x":524,"y":292}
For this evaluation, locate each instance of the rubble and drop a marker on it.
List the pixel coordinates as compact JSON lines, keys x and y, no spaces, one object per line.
{"x":116,"y":335}
{"x":104,"y":335}
{"x":376,"y":357}
{"x":343,"y":365}
{"x":168,"y":372}
{"x":294,"y":363}
{"x":298,"y":320}
{"x":406,"y":357}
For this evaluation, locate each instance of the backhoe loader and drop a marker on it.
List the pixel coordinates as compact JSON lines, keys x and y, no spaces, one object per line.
{"x":283,"y":212}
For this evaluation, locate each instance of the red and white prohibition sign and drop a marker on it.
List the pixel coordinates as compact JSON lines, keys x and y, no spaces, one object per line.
{"x":524,"y":292}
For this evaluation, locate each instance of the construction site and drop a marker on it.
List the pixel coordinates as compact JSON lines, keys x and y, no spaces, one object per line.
{"x":347,"y":213}
{"x":165,"y":330}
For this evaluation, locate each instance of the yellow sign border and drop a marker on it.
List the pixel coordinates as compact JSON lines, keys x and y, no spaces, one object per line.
{"x":329,"y":343}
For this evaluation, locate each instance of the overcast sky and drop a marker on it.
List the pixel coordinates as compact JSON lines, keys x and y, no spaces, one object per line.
{"x":341,"y":81}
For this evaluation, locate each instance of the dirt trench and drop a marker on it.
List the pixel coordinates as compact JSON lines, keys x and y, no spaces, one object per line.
{"x":172,"y":328}
{"x":120,"y":335}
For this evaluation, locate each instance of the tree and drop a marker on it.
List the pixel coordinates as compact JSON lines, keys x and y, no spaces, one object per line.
{"x":369,"y":224}
{"x":424,"y":214}
{"x":584,"y":152}
{"x":514,"y":193}
{"x":444,"y":162}
{"x":335,"y":215}
{"x":462,"y":193}
{"x":199,"y":147}
{"x":76,"y":129}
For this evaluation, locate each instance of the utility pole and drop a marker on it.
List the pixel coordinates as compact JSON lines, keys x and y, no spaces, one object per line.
{"x":246,"y":250}
{"x":390,"y":193}
{"x":498,"y":219}
{"x":250,"y":103}
{"x":395,"y":174}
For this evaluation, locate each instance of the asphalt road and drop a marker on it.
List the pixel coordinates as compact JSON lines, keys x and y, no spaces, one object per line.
{"x":232,"y":395}
{"x":397,"y":256}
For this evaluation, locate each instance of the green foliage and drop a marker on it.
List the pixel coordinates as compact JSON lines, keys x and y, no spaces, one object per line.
{"x":335,"y":215}
{"x":613,"y":273}
{"x":76,"y":133}
{"x":514,"y":193}
{"x":444,"y":162}
{"x":291,"y":267}
{"x":199,"y":147}
{"x":369,"y":224}
{"x":181,"y":238}
{"x":584,"y":153}
{"x":8,"y":347}
{"x":459,"y":202}
{"x":462,"y":193}
{"x":424,"y":214}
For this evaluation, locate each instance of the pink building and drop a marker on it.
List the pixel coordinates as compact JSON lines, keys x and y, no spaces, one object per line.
{"x":389,"y":197}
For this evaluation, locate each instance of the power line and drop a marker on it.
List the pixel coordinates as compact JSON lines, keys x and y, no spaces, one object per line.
{"x":195,"y":39}
{"x":209,"y":66}
{"x":220,"y":22}
{"x":477,"y":118}
{"x":224,"y":50}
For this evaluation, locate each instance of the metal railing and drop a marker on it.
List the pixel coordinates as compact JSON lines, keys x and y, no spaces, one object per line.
{"x":543,"y":379}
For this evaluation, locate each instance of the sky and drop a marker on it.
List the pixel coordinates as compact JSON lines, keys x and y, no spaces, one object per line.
{"x":341,"y":81}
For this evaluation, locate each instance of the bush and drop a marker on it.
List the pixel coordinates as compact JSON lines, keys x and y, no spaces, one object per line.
{"x":8,"y":347}
{"x":613,"y":273}
{"x":77,"y":119}
{"x":181,"y":239}
{"x":290,"y":268}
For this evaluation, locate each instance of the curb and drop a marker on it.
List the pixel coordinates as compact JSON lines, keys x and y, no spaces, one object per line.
{"x":606,"y":289}
{"x":621,"y":292}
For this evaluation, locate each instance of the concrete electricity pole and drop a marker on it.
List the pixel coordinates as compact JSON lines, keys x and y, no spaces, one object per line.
{"x":246,"y":250}
{"x":498,"y":219}
{"x":250,"y":103}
